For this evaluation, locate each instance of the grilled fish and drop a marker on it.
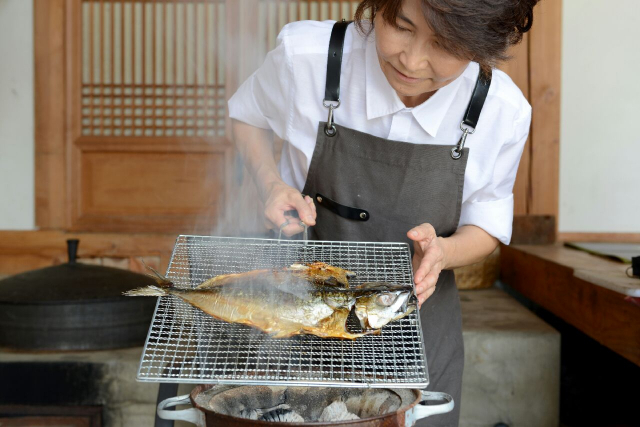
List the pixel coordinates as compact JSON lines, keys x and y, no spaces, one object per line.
{"x":301,"y":299}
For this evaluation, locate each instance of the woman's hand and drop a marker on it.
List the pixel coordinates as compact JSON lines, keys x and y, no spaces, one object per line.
{"x":428,"y":259}
{"x":282,"y":198}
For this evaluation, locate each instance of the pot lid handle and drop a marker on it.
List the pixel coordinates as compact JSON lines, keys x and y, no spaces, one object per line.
{"x":72,"y":250}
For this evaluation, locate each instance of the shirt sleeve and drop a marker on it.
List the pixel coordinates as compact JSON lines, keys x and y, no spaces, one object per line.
{"x":263,"y":100}
{"x":491,"y":208}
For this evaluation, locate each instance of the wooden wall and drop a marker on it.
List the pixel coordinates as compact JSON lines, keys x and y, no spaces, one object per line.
{"x":131,"y":136}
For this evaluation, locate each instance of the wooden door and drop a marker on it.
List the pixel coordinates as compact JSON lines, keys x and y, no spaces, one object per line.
{"x":138,"y":95}
{"x":148,"y":145}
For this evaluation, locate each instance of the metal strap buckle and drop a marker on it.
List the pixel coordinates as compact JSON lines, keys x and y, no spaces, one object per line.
{"x":330,"y":128}
{"x":456,"y":152}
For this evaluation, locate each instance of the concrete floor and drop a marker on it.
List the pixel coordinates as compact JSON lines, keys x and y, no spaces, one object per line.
{"x":511,"y":373}
{"x":512,"y":363}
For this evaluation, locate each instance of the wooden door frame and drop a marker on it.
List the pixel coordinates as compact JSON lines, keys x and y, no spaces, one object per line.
{"x":51,"y":43}
{"x":545,"y":42}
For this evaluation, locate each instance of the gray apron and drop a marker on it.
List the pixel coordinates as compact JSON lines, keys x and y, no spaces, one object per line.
{"x":368,"y":188}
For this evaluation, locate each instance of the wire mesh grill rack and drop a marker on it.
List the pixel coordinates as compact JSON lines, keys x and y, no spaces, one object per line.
{"x":186,"y":345}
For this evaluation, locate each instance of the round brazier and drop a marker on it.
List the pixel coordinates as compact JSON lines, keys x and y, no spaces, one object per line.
{"x":230,"y":405}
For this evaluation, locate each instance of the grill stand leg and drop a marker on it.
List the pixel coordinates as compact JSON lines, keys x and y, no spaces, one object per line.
{"x":165,"y":391}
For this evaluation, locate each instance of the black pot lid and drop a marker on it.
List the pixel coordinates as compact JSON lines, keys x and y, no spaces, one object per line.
{"x":70,"y":283}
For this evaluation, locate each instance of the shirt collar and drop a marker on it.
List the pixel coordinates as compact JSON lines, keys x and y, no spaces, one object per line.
{"x":383,"y":100}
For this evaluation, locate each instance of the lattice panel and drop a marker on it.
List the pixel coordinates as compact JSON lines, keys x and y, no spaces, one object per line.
{"x":153,"y":68}
{"x":277,"y":13}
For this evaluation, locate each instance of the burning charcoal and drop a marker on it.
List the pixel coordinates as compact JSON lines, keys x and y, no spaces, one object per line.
{"x":250,"y":414}
{"x":372,"y":403}
{"x":259,"y":413}
{"x":282,"y":415}
{"x":337,"y":411}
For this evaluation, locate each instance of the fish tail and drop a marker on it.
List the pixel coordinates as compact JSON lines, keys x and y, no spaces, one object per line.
{"x":162,"y":281}
{"x":149,"y":291}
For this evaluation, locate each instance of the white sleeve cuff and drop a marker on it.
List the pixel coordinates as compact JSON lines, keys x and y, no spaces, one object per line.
{"x":495,"y":217}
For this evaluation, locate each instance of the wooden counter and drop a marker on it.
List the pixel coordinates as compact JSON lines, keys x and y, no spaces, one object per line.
{"x":589,"y":292}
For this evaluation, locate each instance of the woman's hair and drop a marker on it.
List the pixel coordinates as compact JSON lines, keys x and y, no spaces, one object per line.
{"x":478,"y":30}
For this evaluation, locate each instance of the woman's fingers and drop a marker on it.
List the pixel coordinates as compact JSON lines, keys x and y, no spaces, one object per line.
{"x":305,"y":212}
{"x":427,"y":260}
{"x":283,"y":199}
{"x":312,"y":205}
{"x":425,"y":295}
{"x":429,"y":281}
{"x":293,"y":229}
{"x":432,"y":255}
{"x":428,"y":287}
{"x":423,"y":233}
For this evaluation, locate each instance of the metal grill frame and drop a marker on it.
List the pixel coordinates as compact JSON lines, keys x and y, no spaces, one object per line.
{"x":185,"y":345}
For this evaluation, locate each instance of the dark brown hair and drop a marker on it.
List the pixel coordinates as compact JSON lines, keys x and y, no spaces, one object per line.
{"x":478,"y":30}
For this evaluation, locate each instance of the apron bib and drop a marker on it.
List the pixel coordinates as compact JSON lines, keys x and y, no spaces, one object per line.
{"x":372,"y":189}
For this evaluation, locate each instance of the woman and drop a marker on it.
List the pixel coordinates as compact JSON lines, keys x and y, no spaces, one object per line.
{"x":391,"y":135}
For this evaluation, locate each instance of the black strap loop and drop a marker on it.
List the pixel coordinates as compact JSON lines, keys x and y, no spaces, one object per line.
{"x":342,"y":210}
{"x":334,"y":61}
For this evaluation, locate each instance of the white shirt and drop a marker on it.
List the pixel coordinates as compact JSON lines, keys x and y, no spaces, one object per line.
{"x":285,"y":95}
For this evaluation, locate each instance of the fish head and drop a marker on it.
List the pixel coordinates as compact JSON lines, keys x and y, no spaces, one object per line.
{"x":384,"y":303}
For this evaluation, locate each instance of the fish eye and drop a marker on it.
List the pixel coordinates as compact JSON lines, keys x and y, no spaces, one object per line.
{"x":386,"y":299}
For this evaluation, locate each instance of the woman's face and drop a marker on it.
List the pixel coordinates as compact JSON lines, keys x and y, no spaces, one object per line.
{"x":411,"y":58}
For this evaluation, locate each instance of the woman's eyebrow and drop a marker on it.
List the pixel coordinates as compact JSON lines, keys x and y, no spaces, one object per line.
{"x":404,"y":18}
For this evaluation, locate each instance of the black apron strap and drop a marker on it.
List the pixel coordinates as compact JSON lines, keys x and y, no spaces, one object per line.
{"x":471,"y":116}
{"x":477,"y":99}
{"x":334,"y":62}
